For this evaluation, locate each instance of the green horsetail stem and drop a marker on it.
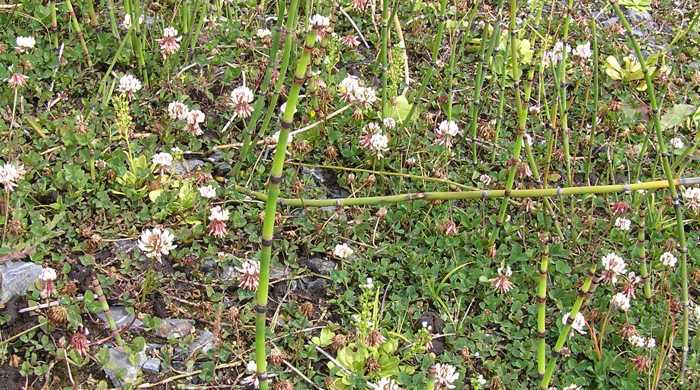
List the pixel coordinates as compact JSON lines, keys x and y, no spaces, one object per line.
{"x":428,"y":75}
{"x":596,"y":97}
{"x":475,"y":105}
{"x":541,"y":307}
{"x":563,"y":102}
{"x":663,"y":149}
{"x":289,"y":29}
{"x":521,"y":112}
{"x":471,"y":195}
{"x":266,"y":89}
{"x":271,"y":205}
{"x":79,"y":31}
{"x":107,"y":312}
{"x":564,"y":334}
{"x":641,"y":244}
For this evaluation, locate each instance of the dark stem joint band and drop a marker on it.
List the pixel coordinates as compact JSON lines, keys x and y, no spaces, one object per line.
{"x":677,"y":201}
{"x":261,"y":309}
{"x":506,"y":193}
{"x":263,"y":376}
{"x":276,"y":179}
{"x":627,"y":188}
{"x":540,"y":334}
{"x":299,"y":80}
{"x":286,"y":125}
{"x":541,"y":300}
{"x":684,"y":249}
{"x":560,"y":191}
{"x":266,"y":242}
{"x":484,"y":194}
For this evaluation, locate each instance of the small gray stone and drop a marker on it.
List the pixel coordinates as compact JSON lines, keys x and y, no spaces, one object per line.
{"x":151,"y":365}
{"x":121,"y":317}
{"x":16,"y":277}
{"x":174,"y":328}
{"x":124,"y":246}
{"x":204,"y":342}
{"x":120,"y":370}
{"x":181,"y":167}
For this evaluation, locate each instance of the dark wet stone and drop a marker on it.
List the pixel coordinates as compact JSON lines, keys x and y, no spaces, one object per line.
{"x":320,"y":265}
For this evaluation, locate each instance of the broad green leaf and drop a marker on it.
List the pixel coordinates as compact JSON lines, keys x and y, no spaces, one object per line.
{"x":676,"y":115}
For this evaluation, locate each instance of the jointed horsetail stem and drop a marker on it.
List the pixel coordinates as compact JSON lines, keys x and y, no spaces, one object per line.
{"x":520,"y":111}
{"x":668,"y":172}
{"x":541,"y":307}
{"x":641,"y":244}
{"x":271,"y":203}
{"x":564,"y":334}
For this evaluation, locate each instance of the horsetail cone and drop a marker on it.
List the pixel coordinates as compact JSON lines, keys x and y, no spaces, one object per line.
{"x":273,"y":194}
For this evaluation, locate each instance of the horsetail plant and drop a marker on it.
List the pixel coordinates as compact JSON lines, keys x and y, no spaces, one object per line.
{"x":663,"y":150}
{"x":317,"y":29}
{"x":520,"y":111}
{"x":564,"y":333}
{"x":471,"y":195}
{"x":541,"y":310}
{"x":79,"y":31}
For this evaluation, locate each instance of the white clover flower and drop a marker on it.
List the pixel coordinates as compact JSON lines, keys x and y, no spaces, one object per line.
{"x":343,"y":251}
{"x":445,"y":375}
{"x":691,"y":196}
{"x":156,"y":242}
{"x":677,"y":143}
{"x":613,"y":266}
{"x":573,"y":387}
{"x":178,"y":110}
{"x":207,"y":192}
{"x":389,"y":123}
{"x":170,"y":42}
{"x":321,"y":26}
{"x":555,"y":55}
{"x":10,"y":174}
{"x":163,"y":159}
{"x":364,"y":96}
{"x":369,"y":284}
{"x":249,"y":275}
{"x":623,"y":224}
{"x":347,"y":87}
{"x":583,"y":51}
{"x":217,"y":221}
{"x":387,"y":384}
{"x":668,"y":259}
{"x":194,"y":119}
{"x":217,"y":213}
{"x":128,"y":85}
{"x":620,"y":301}
{"x":481,"y":380}
{"x":241,"y":98}
{"x":263,"y":33}
{"x":446,"y":132}
{"x":485,"y":179}
{"x":379,"y":143}
{"x":23,"y":44}
{"x":17,"y":80}
{"x":48,"y":274}
{"x":642,"y":342}
{"x":579,"y":323}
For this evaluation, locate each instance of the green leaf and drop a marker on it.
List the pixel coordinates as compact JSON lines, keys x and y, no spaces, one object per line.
{"x":153,"y":195}
{"x":325,"y":338}
{"x":676,"y":115}
{"x":400,"y":109}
